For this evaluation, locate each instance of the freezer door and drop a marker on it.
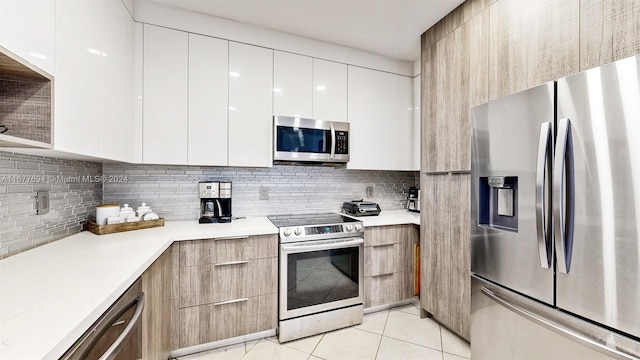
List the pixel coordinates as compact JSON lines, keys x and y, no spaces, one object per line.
{"x":507,"y":326}
{"x":603,"y":108}
{"x":510,"y":137}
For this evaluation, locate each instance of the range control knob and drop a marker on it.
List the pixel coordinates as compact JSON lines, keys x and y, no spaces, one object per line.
{"x":297,"y":231}
{"x":349,"y":227}
{"x":286,"y":232}
{"x":358,"y":227}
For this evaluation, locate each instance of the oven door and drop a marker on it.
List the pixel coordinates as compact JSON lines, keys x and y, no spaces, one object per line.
{"x":320,"y":275}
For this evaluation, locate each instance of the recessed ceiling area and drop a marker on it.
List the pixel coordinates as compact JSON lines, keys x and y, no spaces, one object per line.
{"x":391,"y":28}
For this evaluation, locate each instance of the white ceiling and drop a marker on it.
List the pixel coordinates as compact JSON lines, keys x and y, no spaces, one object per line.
{"x":391,"y":28}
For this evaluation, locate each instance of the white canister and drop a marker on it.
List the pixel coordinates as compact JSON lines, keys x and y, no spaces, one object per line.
{"x":127,"y":212}
{"x":104,"y":211}
{"x":142,"y":209}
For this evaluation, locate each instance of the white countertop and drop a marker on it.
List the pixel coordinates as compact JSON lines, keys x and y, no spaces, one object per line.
{"x":50,"y":295}
{"x":391,"y":217}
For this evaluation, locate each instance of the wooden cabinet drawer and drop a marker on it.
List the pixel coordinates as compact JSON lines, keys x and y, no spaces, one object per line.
{"x":381,"y":235}
{"x":214,"y":251}
{"x":209,"y":283}
{"x":382,"y":259}
{"x":222,"y":320}
{"x":383,"y":289}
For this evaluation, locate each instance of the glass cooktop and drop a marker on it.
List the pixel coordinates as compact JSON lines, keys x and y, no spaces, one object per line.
{"x":309,"y":219}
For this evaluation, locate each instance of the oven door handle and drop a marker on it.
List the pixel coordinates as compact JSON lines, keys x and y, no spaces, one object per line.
{"x":334,"y":245}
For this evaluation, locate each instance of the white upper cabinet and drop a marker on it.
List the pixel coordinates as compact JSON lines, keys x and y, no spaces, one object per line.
{"x":27,"y":29}
{"x":94,"y":52}
{"x":250,"y":105}
{"x":292,"y":76}
{"x":329,"y":90}
{"x":165,"y":104}
{"x":208,"y":100}
{"x":380,"y":112}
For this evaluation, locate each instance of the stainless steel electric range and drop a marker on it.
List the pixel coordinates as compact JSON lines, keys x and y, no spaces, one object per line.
{"x":321,"y":273}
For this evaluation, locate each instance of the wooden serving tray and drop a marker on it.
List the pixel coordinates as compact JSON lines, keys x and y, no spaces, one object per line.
{"x":116,"y":228}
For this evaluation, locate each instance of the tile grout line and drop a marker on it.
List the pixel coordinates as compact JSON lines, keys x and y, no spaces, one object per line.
{"x":441,"y":342}
{"x":386,"y":320}
{"x":315,"y":347}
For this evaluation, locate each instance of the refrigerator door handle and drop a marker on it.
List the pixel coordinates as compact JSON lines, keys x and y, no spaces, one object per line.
{"x":544,"y":250}
{"x":571,"y":334}
{"x":563,"y":202}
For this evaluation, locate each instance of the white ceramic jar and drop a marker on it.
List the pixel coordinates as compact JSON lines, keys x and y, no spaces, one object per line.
{"x":127,"y":212}
{"x":142,"y":209}
{"x":103,"y":211}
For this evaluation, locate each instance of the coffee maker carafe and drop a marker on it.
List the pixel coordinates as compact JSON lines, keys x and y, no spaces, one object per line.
{"x":215,"y":202}
{"x":413,"y":200}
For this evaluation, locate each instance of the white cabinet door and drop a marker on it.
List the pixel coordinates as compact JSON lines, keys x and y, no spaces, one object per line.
{"x":27,"y":29}
{"x":292,"y":76}
{"x":416,"y":123}
{"x":250,"y":105}
{"x":94,"y":47}
{"x":329,"y":90}
{"x":208,"y":100}
{"x":381,"y":120}
{"x":166,"y":65}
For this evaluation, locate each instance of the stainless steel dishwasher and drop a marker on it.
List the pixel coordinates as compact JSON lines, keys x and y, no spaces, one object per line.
{"x":117,"y":334}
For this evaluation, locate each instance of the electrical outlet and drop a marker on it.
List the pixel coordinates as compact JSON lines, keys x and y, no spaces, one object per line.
{"x":264,"y":193}
{"x":42,"y":202}
{"x":369,"y":191}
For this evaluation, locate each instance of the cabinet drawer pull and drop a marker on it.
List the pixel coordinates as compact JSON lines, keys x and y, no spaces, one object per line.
{"x":231,"y":238}
{"x":383,"y":245}
{"x":381,"y":275}
{"x":230,"y":301}
{"x":231,"y":263}
{"x":117,"y":323}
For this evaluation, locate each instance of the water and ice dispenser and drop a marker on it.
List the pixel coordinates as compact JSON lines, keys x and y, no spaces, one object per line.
{"x":498,"y":202}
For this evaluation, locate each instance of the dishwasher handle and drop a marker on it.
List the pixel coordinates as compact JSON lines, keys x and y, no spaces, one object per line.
{"x":94,"y":335}
{"x":114,"y":349}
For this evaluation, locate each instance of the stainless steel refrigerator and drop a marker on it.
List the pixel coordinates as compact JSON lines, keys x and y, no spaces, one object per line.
{"x":555,"y":211}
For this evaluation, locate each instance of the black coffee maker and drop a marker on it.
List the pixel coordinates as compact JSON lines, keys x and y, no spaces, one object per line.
{"x":215,"y":202}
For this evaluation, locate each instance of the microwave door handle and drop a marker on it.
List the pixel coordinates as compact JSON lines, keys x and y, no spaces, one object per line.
{"x":333,"y":142}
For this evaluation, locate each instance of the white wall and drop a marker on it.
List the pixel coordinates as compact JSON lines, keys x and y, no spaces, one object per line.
{"x":162,"y":15}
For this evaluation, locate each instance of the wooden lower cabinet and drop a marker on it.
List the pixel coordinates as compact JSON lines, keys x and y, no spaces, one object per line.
{"x":389,"y":263}
{"x":159,"y":314}
{"x":211,"y":322}
{"x":204,"y":284}
{"x":445,"y":273}
{"x":226,"y":288}
{"x":384,"y":289}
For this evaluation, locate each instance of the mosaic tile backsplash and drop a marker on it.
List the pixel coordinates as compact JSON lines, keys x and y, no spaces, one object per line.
{"x":76,"y":187}
{"x":172,"y":192}
{"x":73,"y":196}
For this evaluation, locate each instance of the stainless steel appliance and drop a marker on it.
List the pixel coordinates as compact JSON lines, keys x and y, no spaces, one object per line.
{"x":360,"y":208}
{"x":321,"y":273}
{"x":215,"y":201}
{"x":555,"y":214}
{"x":117,"y":334}
{"x":310,"y":141}
{"x":413,"y":199}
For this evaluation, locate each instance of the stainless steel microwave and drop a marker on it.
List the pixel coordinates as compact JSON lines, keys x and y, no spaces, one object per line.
{"x":310,"y":141}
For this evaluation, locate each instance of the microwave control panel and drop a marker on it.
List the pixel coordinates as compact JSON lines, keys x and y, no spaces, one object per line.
{"x":342,"y":142}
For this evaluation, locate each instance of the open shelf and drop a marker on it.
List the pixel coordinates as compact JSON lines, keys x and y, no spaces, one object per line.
{"x":26,"y":103}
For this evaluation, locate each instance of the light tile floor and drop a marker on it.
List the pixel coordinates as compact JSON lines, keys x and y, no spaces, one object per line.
{"x":398,"y":333}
